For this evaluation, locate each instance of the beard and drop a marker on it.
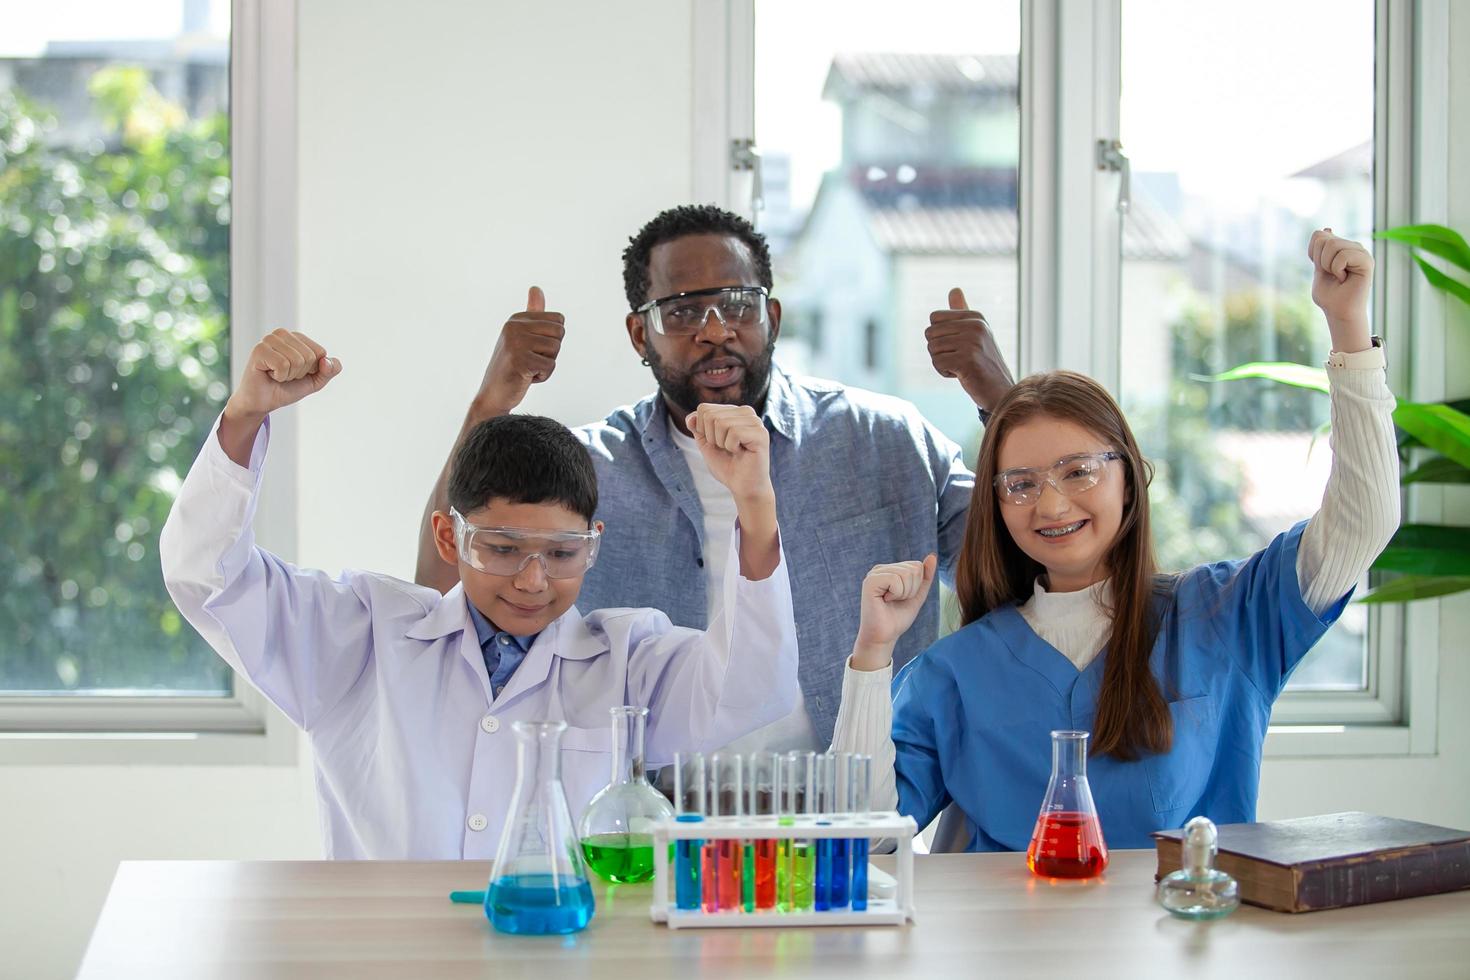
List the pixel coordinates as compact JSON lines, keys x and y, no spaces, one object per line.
{"x":679,"y":389}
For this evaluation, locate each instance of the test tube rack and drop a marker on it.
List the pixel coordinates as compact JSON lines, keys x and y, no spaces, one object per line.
{"x":893,"y":911}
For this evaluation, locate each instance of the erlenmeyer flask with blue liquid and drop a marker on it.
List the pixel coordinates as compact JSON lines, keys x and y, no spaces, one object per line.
{"x":539,"y":884}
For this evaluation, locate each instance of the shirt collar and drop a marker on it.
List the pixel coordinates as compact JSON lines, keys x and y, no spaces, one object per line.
{"x":487,"y":631}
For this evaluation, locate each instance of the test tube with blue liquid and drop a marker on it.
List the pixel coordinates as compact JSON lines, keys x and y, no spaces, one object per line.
{"x":727,"y":792}
{"x":691,"y":790}
{"x":825,"y":886}
{"x":859,"y":803}
{"x":836,"y":808}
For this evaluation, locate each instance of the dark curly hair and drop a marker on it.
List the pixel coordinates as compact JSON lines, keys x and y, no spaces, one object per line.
{"x":688,"y":219}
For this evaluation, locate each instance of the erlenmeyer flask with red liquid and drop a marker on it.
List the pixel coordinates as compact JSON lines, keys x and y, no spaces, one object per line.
{"x":1068,"y":839}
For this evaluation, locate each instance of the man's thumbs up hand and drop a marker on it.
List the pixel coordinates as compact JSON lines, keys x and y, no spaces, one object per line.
{"x":962,"y":346}
{"x":524,"y":355}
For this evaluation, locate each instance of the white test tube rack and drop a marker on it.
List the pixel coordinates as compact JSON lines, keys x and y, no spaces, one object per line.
{"x":881,"y":911}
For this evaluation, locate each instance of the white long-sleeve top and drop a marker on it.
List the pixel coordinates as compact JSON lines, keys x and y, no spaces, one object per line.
{"x":1358,"y":515}
{"x":415,"y":755}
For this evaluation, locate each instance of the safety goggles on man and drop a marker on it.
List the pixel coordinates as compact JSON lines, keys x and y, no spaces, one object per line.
{"x":1069,"y":476}
{"x":507,"y":550}
{"x":684,"y":314}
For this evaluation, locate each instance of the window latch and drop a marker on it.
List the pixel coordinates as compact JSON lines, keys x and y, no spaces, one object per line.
{"x":1110,"y":157}
{"x":745,"y":157}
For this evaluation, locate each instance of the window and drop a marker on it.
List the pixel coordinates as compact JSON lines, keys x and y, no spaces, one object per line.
{"x":1238,"y":150}
{"x":120,"y":269}
{"x":1231,"y":152}
{"x":889,"y":151}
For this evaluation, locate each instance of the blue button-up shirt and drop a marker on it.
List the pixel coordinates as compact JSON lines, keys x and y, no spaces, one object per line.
{"x":860,"y":479}
{"x":503,"y":652}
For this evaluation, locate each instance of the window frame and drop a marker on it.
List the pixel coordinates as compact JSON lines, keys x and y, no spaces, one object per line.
{"x":1070,"y":86}
{"x":241,"y":728}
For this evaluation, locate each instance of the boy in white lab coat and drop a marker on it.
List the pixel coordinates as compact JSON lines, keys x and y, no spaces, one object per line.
{"x":407,"y":696}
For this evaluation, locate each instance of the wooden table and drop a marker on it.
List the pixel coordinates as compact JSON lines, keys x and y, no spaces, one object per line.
{"x":979,"y":915}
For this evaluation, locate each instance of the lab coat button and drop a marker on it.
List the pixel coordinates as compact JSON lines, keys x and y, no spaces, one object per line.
{"x":478,"y":822}
{"x":490,"y":723}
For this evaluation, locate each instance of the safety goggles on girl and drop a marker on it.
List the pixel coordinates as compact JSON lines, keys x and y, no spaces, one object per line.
{"x":1069,"y":476}
{"x":507,"y":550}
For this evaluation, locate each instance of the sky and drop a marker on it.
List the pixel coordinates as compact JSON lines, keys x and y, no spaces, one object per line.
{"x":26,"y":25}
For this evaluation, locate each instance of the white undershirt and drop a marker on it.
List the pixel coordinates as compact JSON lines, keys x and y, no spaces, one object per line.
{"x":1359,"y":513}
{"x":795,"y":731}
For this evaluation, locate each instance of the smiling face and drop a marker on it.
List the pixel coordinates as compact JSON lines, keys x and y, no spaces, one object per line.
{"x":527,"y":602}
{"x":1069,"y":536}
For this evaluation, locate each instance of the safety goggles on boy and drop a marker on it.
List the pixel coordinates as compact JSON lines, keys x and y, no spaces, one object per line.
{"x":1069,"y":476}
{"x":684,"y":314}
{"x":507,"y":550}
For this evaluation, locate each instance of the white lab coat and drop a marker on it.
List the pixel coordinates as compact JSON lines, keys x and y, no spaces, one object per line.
{"x":414,"y":757}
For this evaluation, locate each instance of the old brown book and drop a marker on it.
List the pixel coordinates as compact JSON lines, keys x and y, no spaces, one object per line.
{"x":1338,"y":859}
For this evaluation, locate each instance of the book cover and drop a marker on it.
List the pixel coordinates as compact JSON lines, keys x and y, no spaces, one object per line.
{"x":1335,"y":860}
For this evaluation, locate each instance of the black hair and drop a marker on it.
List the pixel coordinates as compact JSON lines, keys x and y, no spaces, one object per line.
{"x":679,"y":222}
{"x":525,"y":459}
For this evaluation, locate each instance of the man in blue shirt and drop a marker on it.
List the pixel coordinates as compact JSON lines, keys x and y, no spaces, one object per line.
{"x":701,"y":317}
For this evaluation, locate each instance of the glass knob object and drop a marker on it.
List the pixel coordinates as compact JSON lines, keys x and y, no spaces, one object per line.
{"x":1199,"y":890}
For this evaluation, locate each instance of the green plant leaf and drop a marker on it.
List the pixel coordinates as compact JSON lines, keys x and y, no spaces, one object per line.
{"x":1282,"y":372}
{"x":1412,"y":587}
{"x":1434,"y":239}
{"x":1437,"y":470}
{"x":1439,"y":427}
{"x":1427,"y":549}
{"x":1441,"y":281}
{"x":1408,"y":441}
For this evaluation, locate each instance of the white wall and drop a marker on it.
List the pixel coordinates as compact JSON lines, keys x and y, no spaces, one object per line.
{"x":451,"y":154}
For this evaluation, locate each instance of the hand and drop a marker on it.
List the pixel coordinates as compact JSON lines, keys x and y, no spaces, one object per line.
{"x":283,"y":368}
{"x":524,"y":355}
{"x":892,"y":597}
{"x":962,"y":346}
{"x":737,"y":448}
{"x":1342,"y":274}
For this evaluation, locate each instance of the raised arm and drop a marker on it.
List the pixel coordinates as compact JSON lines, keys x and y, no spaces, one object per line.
{"x":299,"y":636}
{"x":1360,"y":507}
{"x":891,"y":598}
{"x":524,"y":355}
{"x":708,"y":689}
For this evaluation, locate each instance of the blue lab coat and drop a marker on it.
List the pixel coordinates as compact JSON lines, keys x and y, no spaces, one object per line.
{"x":972,"y":715}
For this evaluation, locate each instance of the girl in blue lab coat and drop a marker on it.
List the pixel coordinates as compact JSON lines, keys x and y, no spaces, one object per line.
{"x":1069,"y":625}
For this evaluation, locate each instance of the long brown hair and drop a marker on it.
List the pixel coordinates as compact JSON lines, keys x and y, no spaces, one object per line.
{"x":1132,"y":715}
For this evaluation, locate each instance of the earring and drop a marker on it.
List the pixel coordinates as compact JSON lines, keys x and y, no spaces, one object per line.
{"x":647,"y":363}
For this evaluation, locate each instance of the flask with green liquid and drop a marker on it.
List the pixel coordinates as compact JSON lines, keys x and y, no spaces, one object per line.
{"x":616,"y":829}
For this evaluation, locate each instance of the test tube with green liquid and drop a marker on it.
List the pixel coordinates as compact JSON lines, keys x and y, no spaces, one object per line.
{"x":801,"y":800}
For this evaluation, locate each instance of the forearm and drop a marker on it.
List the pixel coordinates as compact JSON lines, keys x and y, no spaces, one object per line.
{"x":1360,"y":507}
{"x":431,"y":570}
{"x":236,"y":433}
{"x":760,"y":537}
{"x":865,"y":724}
